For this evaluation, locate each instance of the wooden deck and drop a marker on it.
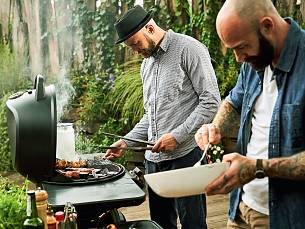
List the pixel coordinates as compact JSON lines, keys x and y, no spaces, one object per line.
{"x":217,"y":208}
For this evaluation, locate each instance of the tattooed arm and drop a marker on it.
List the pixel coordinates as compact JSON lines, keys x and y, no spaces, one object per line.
{"x":242,"y":170}
{"x":221,"y":126}
{"x":292,"y":168}
{"x":225,"y":118}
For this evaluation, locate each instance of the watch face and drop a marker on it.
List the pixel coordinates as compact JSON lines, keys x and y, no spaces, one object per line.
{"x":260,"y":174}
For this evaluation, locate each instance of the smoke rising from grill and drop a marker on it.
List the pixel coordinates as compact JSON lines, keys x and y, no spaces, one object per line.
{"x":64,"y":92}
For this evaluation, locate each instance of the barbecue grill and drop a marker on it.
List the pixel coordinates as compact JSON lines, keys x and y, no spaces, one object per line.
{"x":32,"y":129}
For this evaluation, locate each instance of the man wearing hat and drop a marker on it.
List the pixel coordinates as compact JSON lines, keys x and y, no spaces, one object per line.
{"x":180,"y":93}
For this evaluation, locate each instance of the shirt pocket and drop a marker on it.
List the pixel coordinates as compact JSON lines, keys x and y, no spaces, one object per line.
{"x":292,"y":126}
{"x":169,"y":88}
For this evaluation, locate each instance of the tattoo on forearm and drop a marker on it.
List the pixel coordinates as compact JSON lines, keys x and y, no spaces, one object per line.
{"x":226,"y":119}
{"x":246,"y":172}
{"x":289,"y":167}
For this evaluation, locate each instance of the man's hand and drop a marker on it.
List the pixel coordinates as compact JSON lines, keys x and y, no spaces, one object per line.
{"x":112,"y":153}
{"x":166,"y":143}
{"x":207,"y":133}
{"x":241,"y":171}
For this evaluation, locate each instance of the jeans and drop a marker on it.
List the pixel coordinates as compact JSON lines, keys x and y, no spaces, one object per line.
{"x":191,"y":209}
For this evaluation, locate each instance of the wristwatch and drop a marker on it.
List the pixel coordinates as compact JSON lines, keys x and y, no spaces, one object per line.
{"x":260,"y":172}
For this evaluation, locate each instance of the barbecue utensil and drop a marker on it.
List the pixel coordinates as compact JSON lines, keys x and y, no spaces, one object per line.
{"x":198,"y":163}
{"x":129,"y":139}
{"x":134,"y":148}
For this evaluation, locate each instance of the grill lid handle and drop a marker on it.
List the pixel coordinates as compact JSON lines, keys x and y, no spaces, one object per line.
{"x":39,"y":86}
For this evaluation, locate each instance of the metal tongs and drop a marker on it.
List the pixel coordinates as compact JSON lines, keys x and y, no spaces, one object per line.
{"x":129,"y":139}
{"x":136,"y":148}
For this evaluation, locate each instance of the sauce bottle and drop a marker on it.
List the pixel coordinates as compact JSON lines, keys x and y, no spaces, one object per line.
{"x":60,"y":216}
{"x":70,"y":216}
{"x":51,"y":220}
{"x":32,"y":220}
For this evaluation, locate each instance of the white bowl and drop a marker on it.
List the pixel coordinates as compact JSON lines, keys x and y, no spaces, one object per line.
{"x":185,"y":182}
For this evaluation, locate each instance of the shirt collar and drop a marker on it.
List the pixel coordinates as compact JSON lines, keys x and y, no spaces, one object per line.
{"x":289,"y":51}
{"x":166,"y":40}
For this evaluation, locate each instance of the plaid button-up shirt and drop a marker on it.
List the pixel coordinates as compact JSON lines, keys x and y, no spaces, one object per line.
{"x":180,"y":94}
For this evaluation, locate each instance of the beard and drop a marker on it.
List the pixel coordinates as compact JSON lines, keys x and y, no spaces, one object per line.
{"x":151,"y":49}
{"x":264,"y":56}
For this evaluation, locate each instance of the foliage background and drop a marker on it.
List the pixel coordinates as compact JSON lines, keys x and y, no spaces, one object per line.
{"x":12,"y":78}
{"x":108,"y":91}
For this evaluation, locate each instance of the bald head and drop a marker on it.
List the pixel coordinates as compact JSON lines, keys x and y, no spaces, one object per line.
{"x":240,"y":13}
{"x":247,"y":25}
{"x":249,"y":10}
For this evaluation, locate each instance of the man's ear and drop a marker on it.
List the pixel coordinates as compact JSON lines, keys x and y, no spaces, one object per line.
{"x":266,"y":26}
{"x":150,"y":28}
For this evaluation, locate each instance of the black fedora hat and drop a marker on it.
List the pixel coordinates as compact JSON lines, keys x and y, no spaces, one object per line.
{"x":131,"y":22}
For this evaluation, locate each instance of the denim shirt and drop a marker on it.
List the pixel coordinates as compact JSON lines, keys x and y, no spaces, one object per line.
{"x":287,"y":127}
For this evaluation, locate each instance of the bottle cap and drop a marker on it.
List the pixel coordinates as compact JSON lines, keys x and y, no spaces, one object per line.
{"x":29,"y":192}
{"x":49,"y":210}
{"x":41,"y":194}
{"x":60,"y":216}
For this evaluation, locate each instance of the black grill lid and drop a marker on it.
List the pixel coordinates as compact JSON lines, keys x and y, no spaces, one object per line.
{"x":31,"y":118}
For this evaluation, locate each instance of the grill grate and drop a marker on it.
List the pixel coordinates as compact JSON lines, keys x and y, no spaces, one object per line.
{"x":108,"y":171}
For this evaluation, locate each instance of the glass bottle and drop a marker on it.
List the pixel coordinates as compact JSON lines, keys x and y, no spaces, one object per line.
{"x":60,"y":216}
{"x":51,"y":220}
{"x":32,"y":220}
{"x":70,"y":216}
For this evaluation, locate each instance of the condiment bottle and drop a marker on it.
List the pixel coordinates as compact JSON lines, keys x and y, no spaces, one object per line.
{"x":42,"y":204}
{"x":51,"y":220}
{"x":60,"y":216}
{"x":32,"y":220}
{"x":70,"y":216}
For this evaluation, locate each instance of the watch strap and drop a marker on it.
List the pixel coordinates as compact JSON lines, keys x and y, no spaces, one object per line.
{"x":260,"y":172}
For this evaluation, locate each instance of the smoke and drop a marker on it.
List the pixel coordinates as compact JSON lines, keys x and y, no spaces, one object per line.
{"x":64,"y":92}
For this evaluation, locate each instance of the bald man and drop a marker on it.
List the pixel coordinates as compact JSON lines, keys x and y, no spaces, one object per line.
{"x":266,"y":177}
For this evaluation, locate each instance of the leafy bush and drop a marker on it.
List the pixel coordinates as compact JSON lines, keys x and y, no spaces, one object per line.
{"x":90,"y":100}
{"x":5,"y":157}
{"x":227,"y":72}
{"x":127,"y":94}
{"x":12,"y":79}
{"x":12,"y":204}
{"x":93,"y":144}
{"x":12,"y":74}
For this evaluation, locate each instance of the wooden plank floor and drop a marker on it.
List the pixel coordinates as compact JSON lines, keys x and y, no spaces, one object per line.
{"x":217,"y":208}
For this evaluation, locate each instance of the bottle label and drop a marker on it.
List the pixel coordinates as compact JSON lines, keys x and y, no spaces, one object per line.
{"x":28,"y":206}
{"x":52,"y":226}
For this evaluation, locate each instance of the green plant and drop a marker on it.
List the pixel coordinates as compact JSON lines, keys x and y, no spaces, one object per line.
{"x":93,"y":144}
{"x":215,"y":153}
{"x":127,"y":95}
{"x":5,"y":157}
{"x":12,"y":74}
{"x":90,"y":100}
{"x":97,"y":32}
{"x":12,"y":79}
{"x":12,"y":204}
{"x":227,"y":71}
